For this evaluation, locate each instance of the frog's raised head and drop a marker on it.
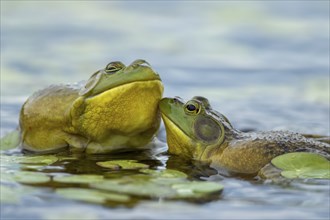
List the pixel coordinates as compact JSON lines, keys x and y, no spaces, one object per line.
{"x":193,"y":126}
{"x":116,"y":74}
{"x":121,"y":100}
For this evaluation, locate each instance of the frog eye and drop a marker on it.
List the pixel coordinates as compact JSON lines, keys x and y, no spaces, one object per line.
{"x":203,"y":100}
{"x":114,"y":67}
{"x":192,"y":108}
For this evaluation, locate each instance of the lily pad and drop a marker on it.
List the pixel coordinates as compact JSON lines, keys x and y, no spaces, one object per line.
{"x":122,"y":164}
{"x":42,"y":159}
{"x":10,"y":140}
{"x":91,"y":195}
{"x":158,"y":187}
{"x":9,"y":161}
{"x":145,"y":189}
{"x":303,"y":165}
{"x":197,"y":187}
{"x":31,"y":177}
{"x":82,"y":178}
{"x":168,"y":173}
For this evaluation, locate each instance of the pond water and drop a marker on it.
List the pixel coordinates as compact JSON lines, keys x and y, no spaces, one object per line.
{"x":265,"y":65}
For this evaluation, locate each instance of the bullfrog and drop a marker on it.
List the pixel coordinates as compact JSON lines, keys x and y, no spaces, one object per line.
{"x":194,"y":130}
{"x":115,"y":110}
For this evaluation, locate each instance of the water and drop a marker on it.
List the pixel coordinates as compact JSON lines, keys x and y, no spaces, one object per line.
{"x":265,"y":65}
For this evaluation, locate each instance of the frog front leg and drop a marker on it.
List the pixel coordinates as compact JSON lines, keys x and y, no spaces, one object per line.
{"x":76,"y":143}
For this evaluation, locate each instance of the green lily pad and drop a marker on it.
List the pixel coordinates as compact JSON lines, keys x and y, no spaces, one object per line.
{"x":158,"y":187}
{"x":303,"y":165}
{"x":122,"y":164}
{"x":91,"y":195}
{"x":42,"y":159}
{"x":33,"y":160}
{"x":10,"y":140}
{"x":67,"y":158}
{"x":165,"y":177}
{"x":168,"y":173}
{"x":31,"y":177}
{"x":140,"y":188}
{"x":9,"y":161}
{"x":22,"y":162}
{"x":82,"y":178}
{"x":198,"y":187}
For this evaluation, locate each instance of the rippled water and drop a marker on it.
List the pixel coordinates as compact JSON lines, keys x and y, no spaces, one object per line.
{"x":265,"y":65}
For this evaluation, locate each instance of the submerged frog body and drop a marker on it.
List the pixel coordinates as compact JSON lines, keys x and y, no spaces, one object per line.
{"x":197,"y":131}
{"x":117,"y":109}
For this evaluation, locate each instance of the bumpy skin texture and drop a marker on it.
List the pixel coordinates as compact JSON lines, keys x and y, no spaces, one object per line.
{"x":196,"y":131}
{"x":44,"y":120}
{"x":116,"y":110}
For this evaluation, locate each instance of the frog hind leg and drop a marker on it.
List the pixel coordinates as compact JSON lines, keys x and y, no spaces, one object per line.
{"x":272,"y":174}
{"x":43,"y":141}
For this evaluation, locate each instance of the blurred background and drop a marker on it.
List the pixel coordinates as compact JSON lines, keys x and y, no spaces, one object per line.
{"x":263,"y":64}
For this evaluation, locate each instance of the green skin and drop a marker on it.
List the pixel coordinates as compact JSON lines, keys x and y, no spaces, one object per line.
{"x":194,"y":130}
{"x":116,"y":110}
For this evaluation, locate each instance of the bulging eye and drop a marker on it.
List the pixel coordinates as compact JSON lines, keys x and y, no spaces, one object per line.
{"x":192,"y":108}
{"x":114,"y":67}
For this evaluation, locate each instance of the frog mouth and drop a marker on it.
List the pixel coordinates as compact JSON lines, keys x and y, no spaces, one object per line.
{"x":132,"y":91}
{"x":174,"y":127}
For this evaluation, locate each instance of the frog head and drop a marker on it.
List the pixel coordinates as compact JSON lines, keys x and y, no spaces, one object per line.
{"x":193,"y":128}
{"x":118,"y":99}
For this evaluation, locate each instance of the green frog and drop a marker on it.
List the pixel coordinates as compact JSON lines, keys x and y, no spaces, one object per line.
{"x":194,"y":130}
{"x":115,"y":110}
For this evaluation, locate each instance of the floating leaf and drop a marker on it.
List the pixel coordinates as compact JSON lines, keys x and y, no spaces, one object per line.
{"x":122,"y":164}
{"x":31,"y":177}
{"x":67,"y":158}
{"x":168,"y":173}
{"x":198,"y":187}
{"x":146,"y":189}
{"x":306,"y":173}
{"x":16,"y":162}
{"x":41,"y":168}
{"x":91,"y":195}
{"x":42,"y":159}
{"x":302,"y":165}
{"x":9,"y":161}
{"x":10,"y":140}
{"x":82,"y":178}
{"x":148,"y":186}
